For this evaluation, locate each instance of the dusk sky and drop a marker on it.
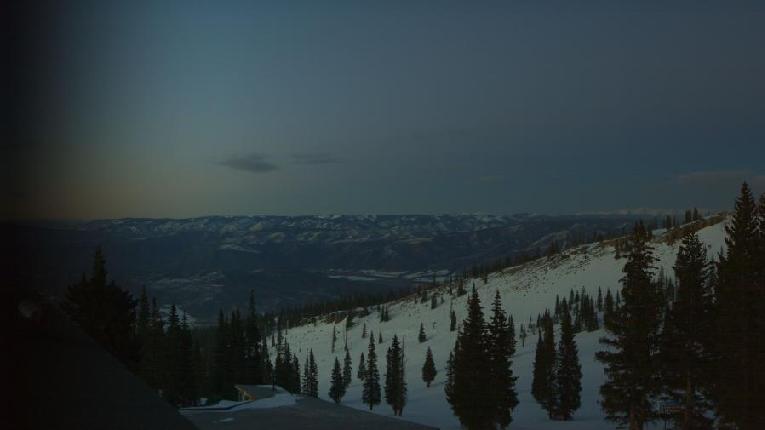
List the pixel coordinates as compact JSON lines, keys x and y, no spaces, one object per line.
{"x":180,"y":109}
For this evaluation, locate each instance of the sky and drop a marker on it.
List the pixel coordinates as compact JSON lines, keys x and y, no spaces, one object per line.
{"x":182,"y":109}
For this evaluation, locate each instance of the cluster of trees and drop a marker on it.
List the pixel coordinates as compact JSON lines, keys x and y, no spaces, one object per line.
{"x":239,"y":354}
{"x":480,"y":385}
{"x":163,"y":354}
{"x":700,"y":349}
{"x":691,"y":215}
{"x":584,"y":309}
{"x":557,"y":375}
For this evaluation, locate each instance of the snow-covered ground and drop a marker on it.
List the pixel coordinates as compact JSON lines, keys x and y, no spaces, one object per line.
{"x":526,"y":291}
{"x":280,"y":398}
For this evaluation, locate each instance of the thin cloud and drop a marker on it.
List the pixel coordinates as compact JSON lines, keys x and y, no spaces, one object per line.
{"x":315,"y":158}
{"x":716,"y":178}
{"x":254,"y":163}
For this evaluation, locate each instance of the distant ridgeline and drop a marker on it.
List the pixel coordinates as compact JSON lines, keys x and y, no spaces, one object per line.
{"x":203,"y":264}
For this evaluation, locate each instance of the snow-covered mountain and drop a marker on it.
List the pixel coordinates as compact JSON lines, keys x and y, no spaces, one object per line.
{"x":208,"y":263}
{"x":526,"y":291}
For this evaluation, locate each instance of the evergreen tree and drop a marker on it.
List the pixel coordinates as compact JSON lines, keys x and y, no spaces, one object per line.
{"x":452,"y":320}
{"x":362,"y":371}
{"x":421,"y":336}
{"x":334,"y":339}
{"x":152,"y":352}
{"x":631,"y":361}
{"x":347,"y":370}
{"x":364,"y":331}
{"x":522,"y":335}
{"x":451,"y":396}
{"x":600,"y":300}
{"x":220,"y":384}
{"x":501,"y":347}
{"x":543,"y":386}
{"x":311,"y":376}
{"x":686,"y":331}
{"x":608,"y":309}
{"x":740,"y":308}
{"x":468,"y":395}
{"x":337,"y":384}
{"x":429,"y":371}
{"x":379,"y":337}
{"x":143,"y":320}
{"x":105,"y":312}
{"x":188,"y":384}
{"x":395,"y":381}
{"x":253,"y":373}
{"x":568,"y":369}
{"x":371,"y":393}
{"x":268,"y":367}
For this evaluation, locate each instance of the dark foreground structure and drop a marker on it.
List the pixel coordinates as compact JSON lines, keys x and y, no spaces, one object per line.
{"x":305,"y":413}
{"x":62,"y":379}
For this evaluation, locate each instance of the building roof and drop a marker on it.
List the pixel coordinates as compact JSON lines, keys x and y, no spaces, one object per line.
{"x":256,"y":391}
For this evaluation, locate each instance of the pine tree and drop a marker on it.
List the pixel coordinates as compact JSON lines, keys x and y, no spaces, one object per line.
{"x":337,"y":384}
{"x":379,"y":337}
{"x":347,"y":370}
{"x":501,"y":347}
{"x":395,"y":381}
{"x":268,"y":367}
{"x":429,"y":371}
{"x":686,"y":330}
{"x":608,"y":309}
{"x":631,"y":361}
{"x":311,"y":376}
{"x":600,"y":300}
{"x":253,"y":373}
{"x":371,"y":393}
{"x":543,"y":386}
{"x":334,"y":339}
{"x":740,"y":308}
{"x":468,"y":395}
{"x":362,"y":371}
{"x":422,"y":337}
{"x":153,"y":350}
{"x":568,"y":369}
{"x":451,"y":396}
{"x":522,"y":335}
{"x":105,"y":312}
{"x":452,"y":320}
{"x":364,"y":332}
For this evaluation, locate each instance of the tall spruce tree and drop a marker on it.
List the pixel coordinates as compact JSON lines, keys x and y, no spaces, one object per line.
{"x":253,"y":373}
{"x":362,"y":370}
{"x":422,"y":337}
{"x":371,"y":392}
{"x":311,"y":376}
{"x":568,"y":370}
{"x":429,"y":371}
{"x":337,"y":383}
{"x":686,"y":331}
{"x":395,"y":381}
{"x":105,"y":312}
{"x":347,"y":370}
{"x":501,"y":347}
{"x":468,"y":395}
{"x":631,"y":361}
{"x":543,"y":385}
{"x":739,"y":387}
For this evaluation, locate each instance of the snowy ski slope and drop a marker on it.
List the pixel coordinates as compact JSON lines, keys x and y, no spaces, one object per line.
{"x":526,"y":290}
